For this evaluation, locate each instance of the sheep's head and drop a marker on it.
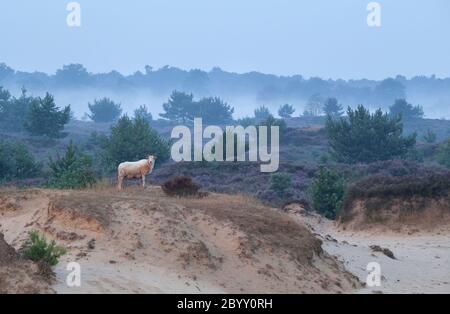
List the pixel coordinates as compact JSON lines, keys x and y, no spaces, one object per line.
{"x":152,"y":158}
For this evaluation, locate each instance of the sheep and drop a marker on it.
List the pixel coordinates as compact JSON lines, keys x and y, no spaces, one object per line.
{"x":137,"y":169}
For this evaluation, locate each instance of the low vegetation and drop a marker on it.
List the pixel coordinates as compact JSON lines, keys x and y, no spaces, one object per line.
{"x":16,"y":162}
{"x":181,"y":186}
{"x":280,"y":183}
{"x":430,"y":185}
{"x":39,"y":250}
{"x":328,"y":191}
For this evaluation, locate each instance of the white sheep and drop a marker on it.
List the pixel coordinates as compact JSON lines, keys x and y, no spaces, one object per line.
{"x":137,"y":169}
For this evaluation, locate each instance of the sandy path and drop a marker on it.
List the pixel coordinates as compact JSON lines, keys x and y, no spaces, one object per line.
{"x":422,"y":263}
{"x":102,"y":277}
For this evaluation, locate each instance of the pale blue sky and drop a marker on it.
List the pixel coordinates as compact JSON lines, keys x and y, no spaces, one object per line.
{"x":327,"y":38}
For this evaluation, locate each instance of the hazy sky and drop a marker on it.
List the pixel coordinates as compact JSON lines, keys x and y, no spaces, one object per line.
{"x":327,"y":38}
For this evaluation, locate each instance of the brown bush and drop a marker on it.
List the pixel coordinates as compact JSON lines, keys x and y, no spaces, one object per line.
{"x":181,"y":186}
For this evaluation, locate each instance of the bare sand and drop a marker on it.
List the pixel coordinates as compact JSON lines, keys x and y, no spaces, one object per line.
{"x":422,"y":258}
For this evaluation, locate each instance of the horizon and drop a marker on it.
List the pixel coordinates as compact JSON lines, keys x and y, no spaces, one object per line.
{"x":142,"y":70}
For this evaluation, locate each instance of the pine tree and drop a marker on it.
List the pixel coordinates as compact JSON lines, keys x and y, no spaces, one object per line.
{"x":71,"y":171}
{"x":286,"y":111}
{"x":332,"y":108}
{"x":143,"y":113}
{"x":104,"y":110}
{"x":179,"y":107}
{"x":45,"y":118}
{"x":132,"y":139}
{"x":430,"y":137}
{"x":365,"y":137}
{"x":262,"y":113}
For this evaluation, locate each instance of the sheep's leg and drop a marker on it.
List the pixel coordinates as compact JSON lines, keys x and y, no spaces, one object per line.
{"x":119,"y":183}
{"x":143,"y":180}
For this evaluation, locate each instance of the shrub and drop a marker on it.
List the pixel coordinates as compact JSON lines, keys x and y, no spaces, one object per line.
{"x":181,"y":186}
{"x":280,"y":182}
{"x":328,"y":192}
{"x":72,"y":171}
{"x":39,"y":250}
{"x":104,"y":110}
{"x":45,"y":118}
{"x":132,"y":140}
{"x":16,"y":162}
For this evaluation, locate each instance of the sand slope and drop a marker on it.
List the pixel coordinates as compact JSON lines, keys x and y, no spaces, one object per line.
{"x":18,"y":275}
{"x":141,"y":241}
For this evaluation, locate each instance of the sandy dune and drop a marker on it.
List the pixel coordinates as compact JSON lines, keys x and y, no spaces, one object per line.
{"x":141,"y":241}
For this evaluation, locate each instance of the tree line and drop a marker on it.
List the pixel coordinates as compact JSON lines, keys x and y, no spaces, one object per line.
{"x":264,"y":87}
